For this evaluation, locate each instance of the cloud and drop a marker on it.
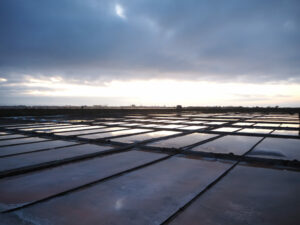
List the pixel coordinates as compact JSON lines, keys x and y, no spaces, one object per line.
{"x":248,"y":41}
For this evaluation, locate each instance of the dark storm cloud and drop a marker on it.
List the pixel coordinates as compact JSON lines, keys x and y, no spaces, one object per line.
{"x":230,"y":40}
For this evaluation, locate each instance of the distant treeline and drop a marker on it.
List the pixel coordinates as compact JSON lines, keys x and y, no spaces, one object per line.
{"x":86,"y":111}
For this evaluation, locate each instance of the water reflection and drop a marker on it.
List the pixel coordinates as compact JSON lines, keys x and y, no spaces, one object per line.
{"x":144,"y":137}
{"x":278,"y":148}
{"x":114,"y":133}
{"x":237,"y":145}
{"x":182,"y":141}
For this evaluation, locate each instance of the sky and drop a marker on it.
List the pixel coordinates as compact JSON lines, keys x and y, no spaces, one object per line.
{"x":150,"y":52}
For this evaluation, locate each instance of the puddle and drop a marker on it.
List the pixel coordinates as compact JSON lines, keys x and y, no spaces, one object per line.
{"x":76,"y":129}
{"x":290,"y":125}
{"x":255,"y":131}
{"x":226,"y":129}
{"x":10,"y":136}
{"x":148,"y":125}
{"x":143,"y":137}
{"x":45,"y":128}
{"x":215,"y":123}
{"x":21,"y":141}
{"x":193,"y":127}
{"x":243,"y":124}
{"x":33,"y":147}
{"x":30,"y":159}
{"x":114,"y":133}
{"x":171,"y":126}
{"x":287,"y":132}
{"x":110,"y":129}
{"x":278,"y":148}
{"x":235,"y":144}
{"x":182,"y":141}
{"x":267,"y":125}
{"x":267,"y":153}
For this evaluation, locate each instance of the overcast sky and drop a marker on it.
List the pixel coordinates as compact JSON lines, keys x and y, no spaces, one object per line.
{"x":50,"y":45}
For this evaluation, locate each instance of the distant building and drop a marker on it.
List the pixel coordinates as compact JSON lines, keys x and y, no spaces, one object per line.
{"x":179,"y":107}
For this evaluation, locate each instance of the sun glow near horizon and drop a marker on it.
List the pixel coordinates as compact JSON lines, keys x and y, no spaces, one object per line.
{"x":167,"y":92}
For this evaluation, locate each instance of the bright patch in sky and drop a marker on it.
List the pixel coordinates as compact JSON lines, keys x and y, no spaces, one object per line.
{"x":159,"y":92}
{"x":120,"y":11}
